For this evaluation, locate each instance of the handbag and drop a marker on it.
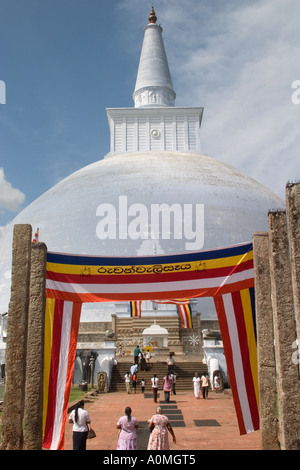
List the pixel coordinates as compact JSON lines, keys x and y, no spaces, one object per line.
{"x":151,"y":428}
{"x":91,"y":434}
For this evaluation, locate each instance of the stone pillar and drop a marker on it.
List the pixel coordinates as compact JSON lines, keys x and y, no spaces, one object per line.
{"x":265,"y":343}
{"x":284,"y":332}
{"x":114,"y":323}
{"x":13,"y":402}
{"x":33,"y":414}
{"x":293,"y":213}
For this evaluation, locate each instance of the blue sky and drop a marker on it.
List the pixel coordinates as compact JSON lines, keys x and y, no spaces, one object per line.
{"x":64,"y":62}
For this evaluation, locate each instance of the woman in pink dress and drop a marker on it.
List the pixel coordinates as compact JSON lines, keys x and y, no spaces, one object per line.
{"x":127,"y":436}
{"x":167,"y":386}
{"x":160,"y":426}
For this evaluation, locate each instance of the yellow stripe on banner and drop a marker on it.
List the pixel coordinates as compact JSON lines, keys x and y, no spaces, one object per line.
{"x":49,"y":319}
{"x":190,"y":320}
{"x":189,"y":316}
{"x":134,"y":309}
{"x":151,"y":268}
{"x":247,"y":308}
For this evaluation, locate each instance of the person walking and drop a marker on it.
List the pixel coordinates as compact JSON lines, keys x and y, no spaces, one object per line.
{"x":171,"y":363}
{"x":197,"y":385}
{"x":81,"y":425}
{"x":136,"y":354}
{"x":205,"y":383}
{"x":148,"y":357}
{"x":159,"y":426}
{"x":143,"y":362}
{"x":167,"y":387}
{"x":133,"y":368}
{"x":173,"y":376}
{"x":134,"y":381}
{"x":127,"y":436}
{"x":217,"y":382}
{"x":143,"y":384}
{"x":127,"y":378}
{"x":154,"y":382}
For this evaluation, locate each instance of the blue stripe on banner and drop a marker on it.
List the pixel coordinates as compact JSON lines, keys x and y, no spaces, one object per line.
{"x":128,"y":261}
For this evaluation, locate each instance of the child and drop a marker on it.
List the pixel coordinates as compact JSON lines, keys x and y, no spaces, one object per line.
{"x":143,"y":384}
{"x":134,"y":380}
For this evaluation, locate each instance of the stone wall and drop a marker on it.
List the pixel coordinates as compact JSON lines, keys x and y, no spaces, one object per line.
{"x":277,"y":274}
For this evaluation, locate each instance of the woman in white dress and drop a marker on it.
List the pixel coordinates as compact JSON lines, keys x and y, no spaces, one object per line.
{"x":197,"y":385}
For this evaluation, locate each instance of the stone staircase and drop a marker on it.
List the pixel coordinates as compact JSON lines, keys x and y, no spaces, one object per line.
{"x":184,"y":372}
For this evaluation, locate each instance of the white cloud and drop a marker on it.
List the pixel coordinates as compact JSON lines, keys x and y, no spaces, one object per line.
{"x":241,"y":71}
{"x":238,"y":60}
{"x":10,"y":198}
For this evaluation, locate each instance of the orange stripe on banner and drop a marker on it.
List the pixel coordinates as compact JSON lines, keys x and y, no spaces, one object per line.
{"x":71,"y":360}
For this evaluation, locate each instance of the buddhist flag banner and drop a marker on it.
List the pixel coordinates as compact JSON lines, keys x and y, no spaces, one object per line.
{"x":223,"y":273}
{"x":103,"y":279}
{"x":136,"y":309}
{"x":61,"y":331}
{"x":36,"y":236}
{"x":184,"y":310}
{"x":185,"y":313}
{"x":236,"y":315}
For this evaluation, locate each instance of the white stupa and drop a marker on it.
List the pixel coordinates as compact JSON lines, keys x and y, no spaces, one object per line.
{"x":155,"y":335}
{"x":155,"y":162}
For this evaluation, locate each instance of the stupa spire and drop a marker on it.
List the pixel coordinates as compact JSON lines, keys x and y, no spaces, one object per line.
{"x":155,"y":123}
{"x":152,"y":17}
{"x":153,"y":84}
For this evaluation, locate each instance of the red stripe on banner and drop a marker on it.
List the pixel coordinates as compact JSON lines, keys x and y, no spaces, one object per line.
{"x":243,"y":343}
{"x":71,"y":361}
{"x":219,"y":304}
{"x":57,"y":326}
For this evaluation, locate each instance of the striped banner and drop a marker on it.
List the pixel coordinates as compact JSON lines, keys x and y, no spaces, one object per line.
{"x":225,"y":274}
{"x":61,"y":331}
{"x":136,"y":309}
{"x":185,"y":313}
{"x":236,"y":315}
{"x":184,"y":310}
{"x":103,"y":279}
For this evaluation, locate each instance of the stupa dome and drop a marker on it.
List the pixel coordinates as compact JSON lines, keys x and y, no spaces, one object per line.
{"x":234,"y":206}
{"x":155,"y":330}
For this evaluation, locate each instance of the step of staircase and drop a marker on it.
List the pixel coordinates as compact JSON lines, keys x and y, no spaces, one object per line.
{"x":184,"y":372}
